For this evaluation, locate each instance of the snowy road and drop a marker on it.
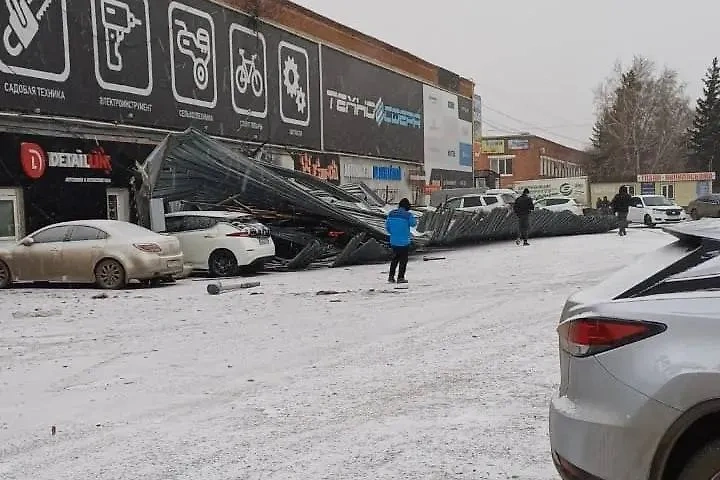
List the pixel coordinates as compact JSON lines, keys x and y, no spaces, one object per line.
{"x":449,"y":379}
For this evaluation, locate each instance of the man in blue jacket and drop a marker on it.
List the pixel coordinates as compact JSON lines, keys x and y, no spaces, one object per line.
{"x":398,"y":225}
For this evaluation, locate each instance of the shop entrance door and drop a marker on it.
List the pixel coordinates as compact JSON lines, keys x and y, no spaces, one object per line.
{"x":11,"y":215}
{"x":118,"y":204}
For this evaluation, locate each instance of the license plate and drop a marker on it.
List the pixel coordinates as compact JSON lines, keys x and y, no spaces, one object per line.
{"x":264,"y":240}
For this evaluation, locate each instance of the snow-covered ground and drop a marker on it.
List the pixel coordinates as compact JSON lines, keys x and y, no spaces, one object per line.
{"x":449,"y":379}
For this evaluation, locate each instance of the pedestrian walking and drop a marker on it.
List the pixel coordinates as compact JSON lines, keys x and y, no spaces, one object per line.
{"x":522,"y":208}
{"x":620,"y":206}
{"x":398,"y":225}
{"x":606,"y":206}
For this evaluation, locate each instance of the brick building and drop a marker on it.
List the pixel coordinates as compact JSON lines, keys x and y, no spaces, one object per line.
{"x":527,"y":157}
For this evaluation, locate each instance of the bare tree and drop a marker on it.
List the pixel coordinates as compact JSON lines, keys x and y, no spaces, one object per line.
{"x":642,"y":121}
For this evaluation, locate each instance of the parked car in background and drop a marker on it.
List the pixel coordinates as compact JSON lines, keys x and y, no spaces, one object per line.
{"x":653,"y":210}
{"x":108,"y":253}
{"x":639,"y":396}
{"x":705,"y":206}
{"x":559,"y":204}
{"x":221,"y":243}
{"x":479,"y":202}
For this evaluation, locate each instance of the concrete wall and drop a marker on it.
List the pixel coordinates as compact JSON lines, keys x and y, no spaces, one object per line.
{"x":359,"y":169}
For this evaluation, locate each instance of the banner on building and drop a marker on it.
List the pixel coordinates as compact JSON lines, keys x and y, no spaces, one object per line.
{"x":518,"y":144}
{"x":477,"y":118}
{"x":320,"y":165}
{"x":163,"y":64}
{"x":370,"y":110}
{"x":493,"y":146}
{"x":676,"y":177}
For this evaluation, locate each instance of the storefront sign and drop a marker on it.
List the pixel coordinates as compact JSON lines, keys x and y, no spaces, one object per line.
{"x":35,"y":161}
{"x":357,"y":171}
{"x":323,"y":166}
{"x":161,"y":63}
{"x":518,"y":144}
{"x":393,"y":174}
{"x":647,"y":188}
{"x":370,"y":110}
{"x":493,"y":146}
{"x":677,"y":177}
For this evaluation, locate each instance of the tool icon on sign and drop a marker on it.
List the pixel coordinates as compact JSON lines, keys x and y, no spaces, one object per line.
{"x":248,"y":74}
{"x":196,"y":46}
{"x":23,"y":23}
{"x":118,"y":21}
{"x":291,"y":80}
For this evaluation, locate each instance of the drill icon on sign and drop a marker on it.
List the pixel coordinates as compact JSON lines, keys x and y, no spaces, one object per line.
{"x":118,"y":21}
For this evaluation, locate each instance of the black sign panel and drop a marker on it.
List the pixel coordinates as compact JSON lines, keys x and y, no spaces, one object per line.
{"x":369,"y":110}
{"x":166,"y":64}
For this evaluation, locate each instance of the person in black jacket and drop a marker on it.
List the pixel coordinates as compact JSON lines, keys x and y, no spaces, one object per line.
{"x":620,"y":206}
{"x":522,"y":207}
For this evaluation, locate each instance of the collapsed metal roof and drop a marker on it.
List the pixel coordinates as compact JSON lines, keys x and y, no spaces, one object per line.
{"x":192,"y":167}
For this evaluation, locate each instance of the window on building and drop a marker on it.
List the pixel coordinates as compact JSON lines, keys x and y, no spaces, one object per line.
{"x":503,"y":165}
{"x":668,"y":191}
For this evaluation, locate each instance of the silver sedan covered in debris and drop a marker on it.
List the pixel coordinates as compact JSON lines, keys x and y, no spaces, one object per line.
{"x":108,"y":253}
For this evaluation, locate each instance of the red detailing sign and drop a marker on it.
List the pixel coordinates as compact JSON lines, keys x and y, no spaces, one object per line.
{"x":35,"y":160}
{"x":677,"y":177}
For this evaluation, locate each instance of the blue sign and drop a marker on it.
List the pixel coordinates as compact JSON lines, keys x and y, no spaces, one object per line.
{"x":466,"y":155}
{"x":647,"y":189}
{"x":387,"y":173}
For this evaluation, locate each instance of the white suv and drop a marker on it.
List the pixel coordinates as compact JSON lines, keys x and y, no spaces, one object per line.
{"x":223,"y":243}
{"x":479,"y":202}
{"x":559,"y":204}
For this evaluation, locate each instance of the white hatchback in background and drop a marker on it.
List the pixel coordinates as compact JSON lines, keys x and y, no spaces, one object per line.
{"x":654,"y":210}
{"x":222,"y":243}
{"x":559,"y":204}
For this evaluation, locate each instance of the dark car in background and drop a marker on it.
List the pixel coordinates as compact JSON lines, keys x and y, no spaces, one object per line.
{"x":705,"y":206}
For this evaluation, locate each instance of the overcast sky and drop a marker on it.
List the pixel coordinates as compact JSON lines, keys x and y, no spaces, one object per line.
{"x":536,"y":63}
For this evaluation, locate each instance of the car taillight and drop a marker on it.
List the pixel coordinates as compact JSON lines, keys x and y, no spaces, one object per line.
{"x":238,"y":234}
{"x":148,"y":247}
{"x":589,"y":336}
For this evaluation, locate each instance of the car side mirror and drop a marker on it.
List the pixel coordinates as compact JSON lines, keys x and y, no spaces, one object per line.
{"x":27,"y":242}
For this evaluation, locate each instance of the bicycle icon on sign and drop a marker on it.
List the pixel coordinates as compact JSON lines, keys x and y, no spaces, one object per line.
{"x":247,"y":74}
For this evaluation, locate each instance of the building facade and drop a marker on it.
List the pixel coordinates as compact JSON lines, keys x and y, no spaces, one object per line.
{"x":681,"y":187}
{"x":527,"y":157}
{"x":104,"y":85}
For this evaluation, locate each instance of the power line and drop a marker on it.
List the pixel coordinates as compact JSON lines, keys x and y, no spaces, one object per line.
{"x":485,"y":106}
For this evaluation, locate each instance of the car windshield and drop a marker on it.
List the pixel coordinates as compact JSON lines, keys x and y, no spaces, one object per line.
{"x":658,"y":201}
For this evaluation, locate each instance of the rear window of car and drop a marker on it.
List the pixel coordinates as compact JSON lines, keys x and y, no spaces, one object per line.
{"x":491,"y":200}
{"x":557,"y":201}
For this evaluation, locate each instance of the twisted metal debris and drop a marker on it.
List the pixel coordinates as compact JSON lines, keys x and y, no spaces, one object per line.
{"x":447,"y":227}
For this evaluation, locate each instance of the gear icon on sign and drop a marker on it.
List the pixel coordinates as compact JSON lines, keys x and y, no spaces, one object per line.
{"x":292,"y":86}
{"x":300,"y":101}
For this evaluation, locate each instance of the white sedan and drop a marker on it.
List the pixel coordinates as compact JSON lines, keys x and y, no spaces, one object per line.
{"x":222,"y":243}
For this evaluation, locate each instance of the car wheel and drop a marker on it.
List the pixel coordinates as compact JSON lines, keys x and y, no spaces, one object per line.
{"x":705,"y":464}
{"x":694,"y":214}
{"x":5,"y":277}
{"x":222,"y":263}
{"x":110,"y":275}
{"x":649,"y":222}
